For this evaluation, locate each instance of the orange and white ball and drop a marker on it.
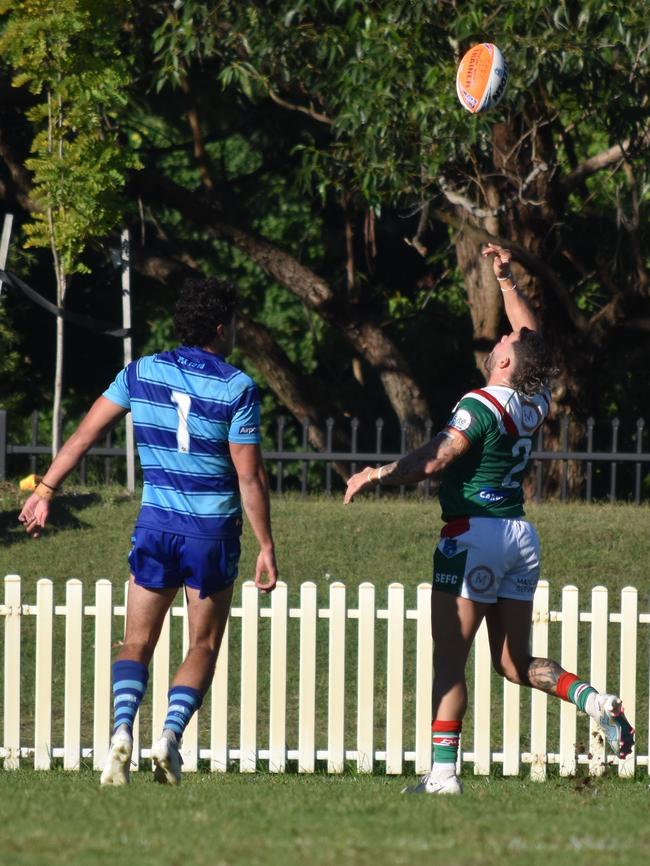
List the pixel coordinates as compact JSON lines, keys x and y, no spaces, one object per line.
{"x":482,"y":77}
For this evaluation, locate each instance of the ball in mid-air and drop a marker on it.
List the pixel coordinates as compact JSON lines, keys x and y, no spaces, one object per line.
{"x":481,"y":78}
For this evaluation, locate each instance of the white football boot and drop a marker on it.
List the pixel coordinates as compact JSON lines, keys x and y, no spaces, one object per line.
{"x":167,"y":761}
{"x":429,"y":785}
{"x":117,"y":769}
{"x":608,"y":714}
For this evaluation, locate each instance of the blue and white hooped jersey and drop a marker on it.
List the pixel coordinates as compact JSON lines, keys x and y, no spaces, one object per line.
{"x":187,"y":405}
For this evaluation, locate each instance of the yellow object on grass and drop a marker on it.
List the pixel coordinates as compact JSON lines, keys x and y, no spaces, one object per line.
{"x":30,"y":482}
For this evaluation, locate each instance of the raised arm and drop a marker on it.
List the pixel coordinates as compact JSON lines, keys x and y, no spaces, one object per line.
{"x":519,"y":312}
{"x":254,"y":489}
{"x":102,"y":416}
{"x":425,"y":462}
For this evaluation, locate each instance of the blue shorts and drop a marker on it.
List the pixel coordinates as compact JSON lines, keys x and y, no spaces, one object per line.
{"x":162,"y":560}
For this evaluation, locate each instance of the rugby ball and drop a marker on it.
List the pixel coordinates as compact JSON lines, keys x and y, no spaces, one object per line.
{"x":481,"y":78}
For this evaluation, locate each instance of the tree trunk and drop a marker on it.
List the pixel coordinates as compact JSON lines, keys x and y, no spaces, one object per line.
{"x":57,"y":418}
{"x":364,"y":336}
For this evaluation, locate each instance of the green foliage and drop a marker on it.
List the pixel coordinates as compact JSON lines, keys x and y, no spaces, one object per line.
{"x":67,"y":53}
{"x":383,"y":77}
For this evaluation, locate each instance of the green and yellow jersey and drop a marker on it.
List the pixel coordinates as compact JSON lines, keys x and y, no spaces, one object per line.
{"x":499,"y":424}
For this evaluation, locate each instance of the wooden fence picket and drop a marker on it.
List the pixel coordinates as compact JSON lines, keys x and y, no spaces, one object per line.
{"x":366,"y":678}
{"x":43,"y":675}
{"x":569,"y":662}
{"x":190,"y":743}
{"x":219,"y":708}
{"x":423,"y":680}
{"x":72,"y":712}
{"x":482,"y":698}
{"x":102,"y":704}
{"x":135,"y":757}
{"x":248,"y":723}
{"x":159,"y":682}
{"x":539,"y":699}
{"x":278,"y":680}
{"x":598,"y":674}
{"x":395,"y":679}
{"x":627,"y":691}
{"x":336,"y":680}
{"x":12,"y":673}
{"x":307,"y":679}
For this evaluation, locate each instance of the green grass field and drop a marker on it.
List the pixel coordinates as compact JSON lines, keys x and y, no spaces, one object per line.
{"x":57,"y":817}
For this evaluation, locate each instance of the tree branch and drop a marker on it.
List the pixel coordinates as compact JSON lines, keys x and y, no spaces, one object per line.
{"x":600,"y":161}
{"x":532,"y":263}
{"x":310,"y":112}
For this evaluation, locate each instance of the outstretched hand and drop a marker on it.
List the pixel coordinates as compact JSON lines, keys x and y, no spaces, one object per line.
{"x":357,"y":483}
{"x":34,"y":515}
{"x":501,"y":259}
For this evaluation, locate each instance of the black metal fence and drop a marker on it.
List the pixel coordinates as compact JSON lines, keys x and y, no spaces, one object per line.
{"x":610,"y":463}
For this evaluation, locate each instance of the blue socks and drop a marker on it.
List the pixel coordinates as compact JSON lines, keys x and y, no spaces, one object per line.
{"x":129,"y":685}
{"x":184,"y":701}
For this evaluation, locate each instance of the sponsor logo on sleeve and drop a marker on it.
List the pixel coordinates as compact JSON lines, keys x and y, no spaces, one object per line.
{"x":460,"y":420}
{"x":247,"y":429}
{"x":491,"y":496}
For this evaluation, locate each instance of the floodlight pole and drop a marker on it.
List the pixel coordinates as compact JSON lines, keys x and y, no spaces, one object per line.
{"x":125,"y":261}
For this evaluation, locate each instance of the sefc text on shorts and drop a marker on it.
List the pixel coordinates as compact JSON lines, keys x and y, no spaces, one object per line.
{"x":162,"y":560}
{"x":487,"y":558}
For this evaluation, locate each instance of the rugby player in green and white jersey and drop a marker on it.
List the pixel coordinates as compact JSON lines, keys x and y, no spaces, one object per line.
{"x":487,"y":562}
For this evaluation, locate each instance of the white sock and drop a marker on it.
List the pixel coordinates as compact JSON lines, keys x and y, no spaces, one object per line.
{"x":591,"y":706}
{"x":442,"y":772}
{"x":170,"y":735}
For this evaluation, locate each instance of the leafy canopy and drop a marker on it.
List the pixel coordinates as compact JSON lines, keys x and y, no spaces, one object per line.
{"x":68,"y":54}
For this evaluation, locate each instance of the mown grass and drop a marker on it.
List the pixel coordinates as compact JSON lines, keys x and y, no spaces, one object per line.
{"x":57,"y":818}
{"x":320,"y":540}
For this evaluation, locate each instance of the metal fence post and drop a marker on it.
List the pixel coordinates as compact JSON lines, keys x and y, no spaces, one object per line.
{"x":612,"y":484}
{"x":3,"y":443}
{"x":640,"y":424}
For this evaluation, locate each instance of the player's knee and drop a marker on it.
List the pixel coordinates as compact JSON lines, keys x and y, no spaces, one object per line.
{"x":511,"y":670}
{"x":208,"y":649}
{"x":138,"y":650}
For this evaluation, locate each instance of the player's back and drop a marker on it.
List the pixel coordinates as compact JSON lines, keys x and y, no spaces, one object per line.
{"x":187,"y":405}
{"x":499,"y":424}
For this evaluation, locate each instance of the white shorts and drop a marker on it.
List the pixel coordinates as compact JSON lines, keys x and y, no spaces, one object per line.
{"x":487,"y":558}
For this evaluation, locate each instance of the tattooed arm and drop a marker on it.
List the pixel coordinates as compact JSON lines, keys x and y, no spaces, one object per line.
{"x":431,"y":459}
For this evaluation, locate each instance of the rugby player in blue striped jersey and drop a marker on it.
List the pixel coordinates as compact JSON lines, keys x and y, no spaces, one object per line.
{"x":196,"y":420}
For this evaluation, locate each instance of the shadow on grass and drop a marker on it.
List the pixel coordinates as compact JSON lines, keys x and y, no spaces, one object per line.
{"x":63,"y":515}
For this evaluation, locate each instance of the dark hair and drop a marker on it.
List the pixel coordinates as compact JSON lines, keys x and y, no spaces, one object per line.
{"x":202,"y":305}
{"x":534,"y":368}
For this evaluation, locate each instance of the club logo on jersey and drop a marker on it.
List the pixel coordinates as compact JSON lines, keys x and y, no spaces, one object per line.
{"x":247,"y":429}
{"x":461,"y":420}
{"x":529,"y":416}
{"x":481,"y":578}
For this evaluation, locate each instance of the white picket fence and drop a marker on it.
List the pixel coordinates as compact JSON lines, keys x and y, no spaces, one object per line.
{"x":275,"y":752}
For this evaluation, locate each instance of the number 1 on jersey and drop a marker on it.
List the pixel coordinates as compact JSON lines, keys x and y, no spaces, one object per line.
{"x":183,"y":403}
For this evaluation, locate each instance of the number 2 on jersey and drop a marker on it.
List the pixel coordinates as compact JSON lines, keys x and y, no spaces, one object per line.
{"x":521,"y":446}
{"x":183,"y":403}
